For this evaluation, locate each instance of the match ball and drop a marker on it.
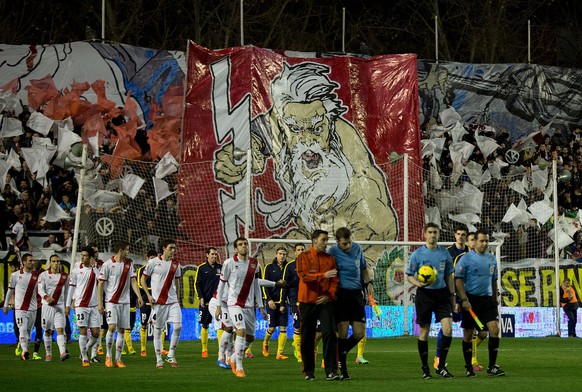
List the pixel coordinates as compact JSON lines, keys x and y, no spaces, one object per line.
{"x":427,"y":274}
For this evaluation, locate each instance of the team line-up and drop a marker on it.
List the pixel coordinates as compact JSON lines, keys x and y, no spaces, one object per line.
{"x":324,"y":288}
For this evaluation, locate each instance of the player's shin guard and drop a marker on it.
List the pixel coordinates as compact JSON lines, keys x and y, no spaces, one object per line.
{"x":493,"y":350}
{"x":467,"y":352}
{"x":143,"y":338}
{"x":239,"y":351}
{"x":48,"y":344}
{"x":361,"y":346}
{"x":204,"y":338}
{"x":158,"y":343}
{"x":175,"y":339}
{"x":109,"y":342}
{"x":281,"y":341}
{"x":83,"y":347}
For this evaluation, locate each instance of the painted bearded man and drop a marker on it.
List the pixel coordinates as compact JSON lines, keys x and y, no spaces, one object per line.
{"x":327,"y":175}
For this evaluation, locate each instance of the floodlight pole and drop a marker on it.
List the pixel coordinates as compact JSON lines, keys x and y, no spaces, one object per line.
{"x":102,"y":21}
{"x":242,"y":30}
{"x":343,"y":29}
{"x":79,"y":205}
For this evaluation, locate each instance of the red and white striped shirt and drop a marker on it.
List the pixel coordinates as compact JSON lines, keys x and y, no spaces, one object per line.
{"x":163,"y":274}
{"x":24,"y":285}
{"x":83,"y":287}
{"x":117,"y":277}
{"x":54,"y":286}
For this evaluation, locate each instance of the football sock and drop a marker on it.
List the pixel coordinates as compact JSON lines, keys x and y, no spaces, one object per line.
{"x":48,"y":344}
{"x":119,"y":346}
{"x":281,"y":341}
{"x":204,"y":338}
{"x":158,"y":343}
{"x":239,"y":351}
{"x":175,"y":339}
{"x":162,"y":338}
{"x":83,"y":346}
{"x":249,"y":349}
{"x":361,"y":346}
{"x":423,"y":352}
{"x":476,"y":342}
{"x":351,"y":343}
{"x":467,"y":351}
{"x":493,"y":350}
{"x":127,"y":337}
{"x":268,"y":336}
{"x":225,"y":341}
{"x":143,"y":338}
{"x":297,"y":341}
{"x":444,"y":350}
{"x":109,"y":342}
{"x":439,"y":342}
{"x":218,"y":337}
{"x":62,"y":343}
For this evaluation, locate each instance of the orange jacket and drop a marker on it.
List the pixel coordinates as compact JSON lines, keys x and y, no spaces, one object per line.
{"x":311,"y":267}
{"x":565,"y":293}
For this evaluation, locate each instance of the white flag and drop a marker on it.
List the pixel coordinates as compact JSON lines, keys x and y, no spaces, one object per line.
{"x":66,"y":140}
{"x":11,"y":127}
{"x":131,"y":184}
{"x":166,"y":166}
{"x":40,"y":123}
{"x":161,"y":189}
{"x":55,"y":213}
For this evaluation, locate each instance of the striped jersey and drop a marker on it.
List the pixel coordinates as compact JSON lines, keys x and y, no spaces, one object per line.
{"x":117,"y":277}
{"x":162,"y":274}
{"x":24,"y":285}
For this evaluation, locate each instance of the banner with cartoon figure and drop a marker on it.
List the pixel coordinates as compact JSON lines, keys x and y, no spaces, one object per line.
{"x":317,"y":129}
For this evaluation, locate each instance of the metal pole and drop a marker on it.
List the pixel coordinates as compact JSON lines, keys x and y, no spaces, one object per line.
{"x":242,"y":31}
{"x":499,"y":286}
{"x":436,"y":38}
{"x":405,"y":238}
{"x":102,"y":20}
{"x":528,"y":41}
{"x":343,"y":29}
{"x":556,"y":249}
{"x":248,"y":201}
{"x":79,"y":206}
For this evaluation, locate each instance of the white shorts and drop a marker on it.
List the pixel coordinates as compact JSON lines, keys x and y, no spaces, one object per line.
{"x":117,"y":314}
{"x":222,"y":319}
{"x":162,"y":314}
{"x":243,"y":318}
{"x":53,"y":317}
{"x":88,"y":317}
{"x":25,"y":320}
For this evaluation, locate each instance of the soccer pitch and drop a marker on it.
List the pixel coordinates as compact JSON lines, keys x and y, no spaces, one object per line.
{"x":541,"y":364}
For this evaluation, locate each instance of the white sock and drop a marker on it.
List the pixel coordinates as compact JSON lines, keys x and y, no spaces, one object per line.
{"x":62,"y":343}
{"x":225,"y":342}
{"x":94,"y":346}
{"x":109,"y":342}
{"x":158,"y":343}
{"x":48,"y":344}
{"x":239,"y":351}
{"x":174,"y":339}
{"x":119,"y":345}
{"x":83,"y":346}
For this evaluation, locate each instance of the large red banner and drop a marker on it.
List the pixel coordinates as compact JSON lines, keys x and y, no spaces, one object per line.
{"x":317,"y":130}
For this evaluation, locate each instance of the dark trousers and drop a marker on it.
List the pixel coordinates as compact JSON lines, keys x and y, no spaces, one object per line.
{"x":571,"y":313}
{"x":310,"y":313}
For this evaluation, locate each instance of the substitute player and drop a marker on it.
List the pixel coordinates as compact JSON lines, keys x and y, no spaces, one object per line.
{"x":291,"y":280}
{"x":438,"y":298}
{"x":53,"y":286}
{"x":116,"y":276}
{"x":164,"y":273}
{"x":276,"y":307}
{"x":476,"y":281}
{"x":206,"y":283}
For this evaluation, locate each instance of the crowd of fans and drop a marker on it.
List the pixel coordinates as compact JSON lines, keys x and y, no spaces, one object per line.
{"x":138,"y":220}
{"x":528,"y":240}
{"x":141,"y":219}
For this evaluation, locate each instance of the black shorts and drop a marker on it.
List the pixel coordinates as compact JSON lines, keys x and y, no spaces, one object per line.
{"x":276,"y":318}
{"x":295,"y":316}
{"x":429,"y":301}
{"x":350,"y":306}
{"x":485,"y":308}
{"x":144,"y":315}
{"x":204,"y":316}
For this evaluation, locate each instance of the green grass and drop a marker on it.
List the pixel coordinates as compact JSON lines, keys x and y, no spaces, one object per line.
{"x":543,"y":364}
